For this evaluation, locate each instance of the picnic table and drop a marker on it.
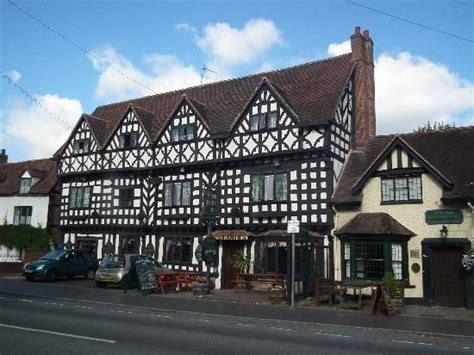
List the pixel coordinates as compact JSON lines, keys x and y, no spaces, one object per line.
{"x":357,"y":286}
{"x":273,"y":279}
{"x":181,"y":280}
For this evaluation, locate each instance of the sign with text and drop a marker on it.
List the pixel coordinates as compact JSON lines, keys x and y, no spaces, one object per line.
{"x":293,"y":226}
{"x":145,"y":268}
{"x":445,"y":216}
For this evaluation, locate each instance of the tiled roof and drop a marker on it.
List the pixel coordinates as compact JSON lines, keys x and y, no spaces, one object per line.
{"x":12,"y":172}
{"x":374,"y":224}
{"x":449,"y":151}
{"x":312,"y":90}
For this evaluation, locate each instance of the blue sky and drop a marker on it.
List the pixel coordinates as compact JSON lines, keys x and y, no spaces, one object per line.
{"x":421,"y":74}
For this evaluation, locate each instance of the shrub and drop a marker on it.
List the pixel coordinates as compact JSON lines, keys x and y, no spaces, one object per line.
{"x":24,"y":236}
{"x":392,"y":285}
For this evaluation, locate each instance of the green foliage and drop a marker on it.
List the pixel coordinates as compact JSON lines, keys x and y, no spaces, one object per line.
{"x":436,"y":126}
{"x":392,"y":285}
{"x":241,"y":262}
{"x":21,"y":237}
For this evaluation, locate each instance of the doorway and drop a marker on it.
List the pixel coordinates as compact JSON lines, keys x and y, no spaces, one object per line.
{"x":446,"y":277}
{"x":229,"y":272}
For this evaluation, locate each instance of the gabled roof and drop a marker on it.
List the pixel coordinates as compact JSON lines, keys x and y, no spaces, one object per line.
{"x":45,"y":169}
{"x":312,"y":90}
{"x":96,"y":126}
{"x":447,"y":155}
{"x":374,"y":224}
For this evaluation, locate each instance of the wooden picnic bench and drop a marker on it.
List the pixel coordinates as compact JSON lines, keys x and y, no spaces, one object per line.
{"x":180,"y":279}
{"x":247,"y":279}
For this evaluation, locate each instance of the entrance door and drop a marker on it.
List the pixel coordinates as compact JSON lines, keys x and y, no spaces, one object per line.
{"x":446,"y":277}
{"x":230,"y":250}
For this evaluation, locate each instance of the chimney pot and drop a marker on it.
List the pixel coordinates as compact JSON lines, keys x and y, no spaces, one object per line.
{"x":3,"y":157}
{"x":366,"y":35}
{"x":357,"y":30}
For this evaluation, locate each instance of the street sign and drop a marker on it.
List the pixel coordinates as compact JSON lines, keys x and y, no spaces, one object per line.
{"x":293,"y":226}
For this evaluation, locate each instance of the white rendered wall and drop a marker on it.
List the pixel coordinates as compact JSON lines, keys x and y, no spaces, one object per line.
{"x":39,"y":214}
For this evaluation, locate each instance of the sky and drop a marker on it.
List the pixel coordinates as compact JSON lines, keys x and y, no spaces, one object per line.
{"x":59,"y":59}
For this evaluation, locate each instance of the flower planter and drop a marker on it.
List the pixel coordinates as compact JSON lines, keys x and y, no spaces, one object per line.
{"x":277,"y":295}
{"x":200,"y":289}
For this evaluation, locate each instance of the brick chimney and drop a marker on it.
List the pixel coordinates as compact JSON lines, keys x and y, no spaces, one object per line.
{"x":3,"y":157}
{"x":364,"y":87}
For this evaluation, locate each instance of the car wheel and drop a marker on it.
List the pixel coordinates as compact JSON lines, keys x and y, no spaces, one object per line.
{"x":51,"y":276}
{"x":101,"y":284}
{"x":90,"y":274}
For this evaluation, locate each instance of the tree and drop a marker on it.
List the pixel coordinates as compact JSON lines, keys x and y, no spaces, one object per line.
{"x":436,"y":126}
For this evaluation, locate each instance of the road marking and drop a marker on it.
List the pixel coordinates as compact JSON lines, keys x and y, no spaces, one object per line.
{"x":25,"y":300}
{"x":58,"y":333}
{"x":1,"y":297}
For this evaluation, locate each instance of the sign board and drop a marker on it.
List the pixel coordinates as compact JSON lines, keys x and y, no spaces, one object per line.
{"x":445,"y":216}
{"x":231,"y":237}
{"x":145,"y":268}
{"x":293,"y":226}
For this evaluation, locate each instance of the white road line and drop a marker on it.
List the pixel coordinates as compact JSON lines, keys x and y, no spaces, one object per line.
{"x":25,"y":300}
{"x":58,"y":333}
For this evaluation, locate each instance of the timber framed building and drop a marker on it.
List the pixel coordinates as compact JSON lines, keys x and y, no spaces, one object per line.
{"x":271,"y":146}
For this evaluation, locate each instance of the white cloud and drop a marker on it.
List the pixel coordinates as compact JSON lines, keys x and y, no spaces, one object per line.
{"x":228,"y":46}
{"x":14,"y":75}
{"x":120,"y":79}
{"x":335,"y":49}
{"x":28,"y":125}
{"x":411,"y":90}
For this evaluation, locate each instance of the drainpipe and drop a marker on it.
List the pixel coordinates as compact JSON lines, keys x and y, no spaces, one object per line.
{"x":331,"y":244}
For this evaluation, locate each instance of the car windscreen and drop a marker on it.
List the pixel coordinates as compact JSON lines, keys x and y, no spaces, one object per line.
{"x":111,"y":261}
{"x":53,"y":255}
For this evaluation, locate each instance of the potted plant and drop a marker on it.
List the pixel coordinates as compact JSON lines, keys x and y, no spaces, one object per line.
{"x":241,"y":262}
{"x":394,"y":291}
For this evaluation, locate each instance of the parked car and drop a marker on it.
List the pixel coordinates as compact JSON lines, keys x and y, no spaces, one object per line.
{"x":114,"y":269}
{"x":62,"y":263}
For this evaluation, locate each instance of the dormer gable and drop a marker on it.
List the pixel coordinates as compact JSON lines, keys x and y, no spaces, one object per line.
{"x":81,"y":141}
{"x":186,"y":123}
{"x":266,"y":110}
{"x":399,"y":159}
{"x":132,"y":131}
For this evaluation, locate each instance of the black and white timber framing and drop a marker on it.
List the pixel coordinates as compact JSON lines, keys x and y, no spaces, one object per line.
{"x":186,"y":150}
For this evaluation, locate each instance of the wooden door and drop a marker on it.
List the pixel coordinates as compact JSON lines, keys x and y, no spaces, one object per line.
{"x":230,"y":250}
{"x":446,"y":277}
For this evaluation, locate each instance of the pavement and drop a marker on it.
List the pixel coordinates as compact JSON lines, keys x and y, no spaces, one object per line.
{"x":430,"y":320}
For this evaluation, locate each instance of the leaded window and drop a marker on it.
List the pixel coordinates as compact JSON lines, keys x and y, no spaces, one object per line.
{"x":80,"y":147}
{"x":25,"y":185}
{"x":262,"y":121}
{"x":369,"y":260}
{"x":183,"y":133}
{"x":270,"y":187}
{"x":401,"y":189}
{"x":397,"y":261}
{"x":22,"y":215}
{"x":178,"y":193}
{"x":79,"y":197}
{"x":178,"y":250}
{"x":126,"y":197}
{"x":128,"y":140}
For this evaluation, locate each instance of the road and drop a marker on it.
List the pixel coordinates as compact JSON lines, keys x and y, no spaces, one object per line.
{"x":37,"y":325}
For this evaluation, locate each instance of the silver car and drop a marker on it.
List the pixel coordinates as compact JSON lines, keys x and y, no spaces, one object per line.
{"x":114,"y":269}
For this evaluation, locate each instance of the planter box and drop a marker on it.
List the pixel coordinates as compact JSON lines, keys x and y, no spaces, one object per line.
{"x":200,"y":289}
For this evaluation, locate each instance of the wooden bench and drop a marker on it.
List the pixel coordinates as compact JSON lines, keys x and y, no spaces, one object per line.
{"x":273,"y":279}
{"x":166,"y":279}
{"x":181,"y":280}
{"x":324,"y":287}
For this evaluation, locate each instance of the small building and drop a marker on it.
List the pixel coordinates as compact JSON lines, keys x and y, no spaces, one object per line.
{"x":405,"y":205}
{"x":29,"y":196}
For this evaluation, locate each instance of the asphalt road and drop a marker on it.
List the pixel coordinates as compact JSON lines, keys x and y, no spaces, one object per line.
{"x":37,"y":325}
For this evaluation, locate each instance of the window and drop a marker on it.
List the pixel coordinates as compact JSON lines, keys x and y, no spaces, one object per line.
{"x":178,"y":194}
{"x":128,"y":140}
{"x":126,"y":197}
{"x":178,"y":250}
{"x":80,"y":147}
{"x":79,"y":197}
{"x":401,"y":189}
{"x":25,"y":185}
{"x":129,"y":244}
{"x":22,"y":215}
{"x":270,"y":187}
{"x":263,"y":121}
{"x":370,"y":260}
{"x":182,"y":133}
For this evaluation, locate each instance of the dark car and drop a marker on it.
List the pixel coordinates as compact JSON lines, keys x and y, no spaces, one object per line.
{"x":62,"y":263}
